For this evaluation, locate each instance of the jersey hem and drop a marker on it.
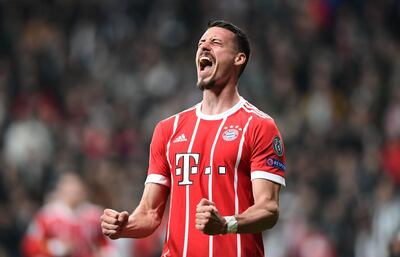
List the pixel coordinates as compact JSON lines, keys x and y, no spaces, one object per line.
{"x":268,"y":176}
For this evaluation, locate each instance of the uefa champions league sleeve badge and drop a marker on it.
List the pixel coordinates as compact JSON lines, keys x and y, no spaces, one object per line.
{"x":277,"y":146}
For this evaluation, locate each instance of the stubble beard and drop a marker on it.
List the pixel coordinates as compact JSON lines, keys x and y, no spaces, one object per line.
{"x":203,"y":84}
{"x":208,"y":82}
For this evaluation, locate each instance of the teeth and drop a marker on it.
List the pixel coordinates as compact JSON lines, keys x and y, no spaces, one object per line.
{"x":204,"y":58}
{"x":205,"y":61}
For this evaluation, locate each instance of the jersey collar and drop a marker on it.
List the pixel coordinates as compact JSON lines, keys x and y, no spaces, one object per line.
{"x":222,"y":115}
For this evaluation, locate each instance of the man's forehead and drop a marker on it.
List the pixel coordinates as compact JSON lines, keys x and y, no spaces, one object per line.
{"x":218,"y":32}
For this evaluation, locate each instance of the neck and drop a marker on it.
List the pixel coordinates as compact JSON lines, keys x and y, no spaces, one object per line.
{"x":218,"y":101}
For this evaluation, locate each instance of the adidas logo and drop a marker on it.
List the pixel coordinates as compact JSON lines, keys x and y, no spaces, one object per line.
{"x":181,"y":138}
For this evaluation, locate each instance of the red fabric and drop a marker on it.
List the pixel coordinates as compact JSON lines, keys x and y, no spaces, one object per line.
{"x":391,"y":160}
{"x":42,"y":104}
{"x":320,"y":12}
{"x":182,"y":155}
{"x":56,"y":224}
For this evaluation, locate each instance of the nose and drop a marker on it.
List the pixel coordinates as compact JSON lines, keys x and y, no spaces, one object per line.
{"x":205,"y":46}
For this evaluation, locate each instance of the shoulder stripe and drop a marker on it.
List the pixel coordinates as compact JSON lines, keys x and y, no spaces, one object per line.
{"x":256,"y":113}
{"x":256,"y":110}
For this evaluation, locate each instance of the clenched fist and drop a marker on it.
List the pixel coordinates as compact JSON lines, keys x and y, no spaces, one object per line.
{"x":208,"y":219}
{"x":112,"y":222}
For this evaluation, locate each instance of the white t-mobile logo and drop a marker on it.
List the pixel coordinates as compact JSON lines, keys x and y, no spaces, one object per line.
{"x":185,"y":169}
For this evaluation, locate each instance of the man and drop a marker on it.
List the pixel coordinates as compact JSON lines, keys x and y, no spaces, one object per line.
{"x":222,"y":162}
{"x":67,"y":225}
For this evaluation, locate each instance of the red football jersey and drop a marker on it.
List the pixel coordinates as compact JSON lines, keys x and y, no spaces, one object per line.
{"x":57,"y":230}
{"x":214,"y":157}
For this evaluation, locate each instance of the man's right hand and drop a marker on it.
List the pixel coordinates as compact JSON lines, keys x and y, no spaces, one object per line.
{"x":113,"y":222}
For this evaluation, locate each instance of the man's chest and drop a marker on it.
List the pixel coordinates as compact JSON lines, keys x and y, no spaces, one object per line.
{"x":207,"y":147}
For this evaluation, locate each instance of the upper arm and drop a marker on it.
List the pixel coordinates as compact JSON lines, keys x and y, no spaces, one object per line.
{"x":154,"y":200}
{"x":266,"y":197}
{"x":264,"y":213}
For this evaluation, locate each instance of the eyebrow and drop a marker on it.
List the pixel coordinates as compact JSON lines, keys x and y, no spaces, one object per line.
{"x":212,"y":39}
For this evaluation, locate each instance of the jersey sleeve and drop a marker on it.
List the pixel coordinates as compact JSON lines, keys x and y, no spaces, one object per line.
{"x":267,"y":159}
{"x":159,"y":170}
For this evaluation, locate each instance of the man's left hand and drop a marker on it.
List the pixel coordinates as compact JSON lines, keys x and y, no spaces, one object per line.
{"x":208,"y":219}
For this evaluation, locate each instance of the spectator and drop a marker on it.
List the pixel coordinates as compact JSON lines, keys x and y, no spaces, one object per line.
{"x":67,"y":225}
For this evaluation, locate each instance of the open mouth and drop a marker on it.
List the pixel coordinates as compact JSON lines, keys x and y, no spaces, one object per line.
{"x":205,"y":62}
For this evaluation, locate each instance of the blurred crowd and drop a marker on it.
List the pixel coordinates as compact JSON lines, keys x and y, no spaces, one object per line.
{"x":83,"y":83}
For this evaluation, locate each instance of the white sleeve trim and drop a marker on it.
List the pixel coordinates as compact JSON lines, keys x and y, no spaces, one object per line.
{"x":158,"y":179}
{"x":268,"y":176}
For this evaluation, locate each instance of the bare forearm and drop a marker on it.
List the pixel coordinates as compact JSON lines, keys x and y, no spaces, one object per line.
{"x":141,"y":224}
{"x":258,"y":218}
{"x":148,"y":215}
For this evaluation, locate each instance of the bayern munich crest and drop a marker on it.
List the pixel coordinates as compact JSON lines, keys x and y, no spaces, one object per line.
{"x":231,"y":133}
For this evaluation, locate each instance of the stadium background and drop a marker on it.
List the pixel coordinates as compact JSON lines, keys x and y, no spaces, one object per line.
{"x":83,"y":83}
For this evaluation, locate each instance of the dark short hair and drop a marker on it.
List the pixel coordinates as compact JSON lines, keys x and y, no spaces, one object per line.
{"x":242,"y":40}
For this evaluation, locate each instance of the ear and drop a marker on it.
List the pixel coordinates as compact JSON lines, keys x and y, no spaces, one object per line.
{"x":240,"y":59}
